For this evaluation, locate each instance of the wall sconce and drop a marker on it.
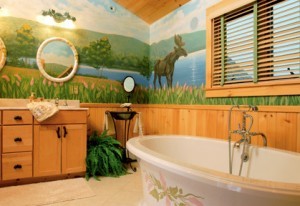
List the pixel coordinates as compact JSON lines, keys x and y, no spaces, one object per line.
{"x":58,"y":17}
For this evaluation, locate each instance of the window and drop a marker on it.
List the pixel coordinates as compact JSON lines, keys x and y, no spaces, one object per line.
{"x":253,"y":49}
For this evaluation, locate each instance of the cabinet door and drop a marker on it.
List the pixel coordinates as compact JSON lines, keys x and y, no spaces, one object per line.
{"x":47,"y":150}
{"x":74,"y":140}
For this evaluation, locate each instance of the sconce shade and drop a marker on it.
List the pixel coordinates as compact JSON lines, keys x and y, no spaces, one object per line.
{"x":58,"y":17}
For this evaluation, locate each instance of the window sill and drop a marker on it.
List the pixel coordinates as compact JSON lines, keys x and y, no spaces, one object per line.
{"x":253,"y":90}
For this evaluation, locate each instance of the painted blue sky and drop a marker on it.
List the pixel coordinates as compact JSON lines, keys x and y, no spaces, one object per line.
{"x":186,"y":19}
{"x":96,"y":15}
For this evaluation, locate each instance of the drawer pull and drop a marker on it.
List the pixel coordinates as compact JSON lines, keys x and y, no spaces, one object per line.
{"x":18,"y":118}
{"x":58,"y":132}
{"x":17,"y":166}
{"x":18,"y":139}
{"x":65,"y":131}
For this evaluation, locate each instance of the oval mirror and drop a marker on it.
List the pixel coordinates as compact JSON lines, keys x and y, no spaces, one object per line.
{"x":2,"y":54}
{"x":57,"y":59}
{"x":128,"y":84}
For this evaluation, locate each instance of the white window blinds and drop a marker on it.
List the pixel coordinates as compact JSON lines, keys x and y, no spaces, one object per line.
{"x":259,"y":42}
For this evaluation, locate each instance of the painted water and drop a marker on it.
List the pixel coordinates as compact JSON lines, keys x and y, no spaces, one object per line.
{"x":188,"y":70}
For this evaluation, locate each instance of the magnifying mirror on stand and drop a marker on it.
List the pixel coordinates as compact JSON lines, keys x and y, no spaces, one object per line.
{"x":128,"y":86}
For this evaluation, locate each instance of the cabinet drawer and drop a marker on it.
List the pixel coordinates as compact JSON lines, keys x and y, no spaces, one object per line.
{"x":17,"y":117}
{"x":16,"y":165}
{"x":17,"y":138}
{"x":66,"y":117}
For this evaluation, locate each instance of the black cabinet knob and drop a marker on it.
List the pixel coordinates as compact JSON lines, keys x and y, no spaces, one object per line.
{"x":17,"y":166}
{"x":18,"y":117}
{"x":18,"y":139}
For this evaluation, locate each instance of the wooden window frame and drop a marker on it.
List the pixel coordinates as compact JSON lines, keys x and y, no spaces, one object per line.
{"x":270,"y":88}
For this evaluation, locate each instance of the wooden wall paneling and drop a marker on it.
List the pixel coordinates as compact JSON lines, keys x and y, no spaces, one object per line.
{"x":188,"y":123}
{"x":211,"y":124}
{"x":291,"y":135}
{"x":298,"y":132}
{"x":153,"y":121}
{"x":267,"y":125}
{"x":286,"y":131}
{"x":165,"y":122}
{"x":182,"y":120}
{"x":222,"y":125}
{"x":281,"y":125}
{"x":201,"y":123}
{"x":171,"y":121}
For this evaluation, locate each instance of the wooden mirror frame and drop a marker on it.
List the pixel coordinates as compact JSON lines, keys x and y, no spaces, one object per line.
{"x":40,"y":64}
{"x":2,"y":54}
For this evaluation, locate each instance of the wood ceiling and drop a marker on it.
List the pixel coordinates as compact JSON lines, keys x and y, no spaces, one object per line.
{"x":151,"y":10}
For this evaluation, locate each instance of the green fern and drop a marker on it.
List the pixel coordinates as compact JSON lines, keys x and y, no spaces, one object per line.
{"x":104,"y":157}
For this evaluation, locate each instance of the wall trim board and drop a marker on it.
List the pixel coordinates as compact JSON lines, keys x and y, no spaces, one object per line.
{"x":192,"y":107}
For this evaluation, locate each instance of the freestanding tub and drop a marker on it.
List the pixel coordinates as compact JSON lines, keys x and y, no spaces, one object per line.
{"x":185,"y":170}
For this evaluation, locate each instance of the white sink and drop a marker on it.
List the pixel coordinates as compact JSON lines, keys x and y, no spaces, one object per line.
{"x":67,"y":107}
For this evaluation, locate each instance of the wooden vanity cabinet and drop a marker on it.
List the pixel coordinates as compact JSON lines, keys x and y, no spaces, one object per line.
{"x":60,"y":144}
{"x":17,"y":143}
{"x":33,"y":151}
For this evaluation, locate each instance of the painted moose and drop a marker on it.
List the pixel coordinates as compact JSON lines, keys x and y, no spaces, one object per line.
{"x":165,"y":67}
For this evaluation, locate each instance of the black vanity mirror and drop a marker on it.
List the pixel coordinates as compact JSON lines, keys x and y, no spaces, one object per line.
{"x":128,"y":85}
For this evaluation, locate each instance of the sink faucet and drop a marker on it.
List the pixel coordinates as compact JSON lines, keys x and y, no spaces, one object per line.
{"x":56,"y":102}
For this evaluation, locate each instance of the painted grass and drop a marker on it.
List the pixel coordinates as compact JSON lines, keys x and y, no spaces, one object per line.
{"x":196,"y":95}
{"x":19,"y":83}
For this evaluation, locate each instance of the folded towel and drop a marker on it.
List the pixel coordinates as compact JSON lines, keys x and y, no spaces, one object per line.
{"x":42,"y":110}
{"x":109,"y":124}
{"x":138,"y":128}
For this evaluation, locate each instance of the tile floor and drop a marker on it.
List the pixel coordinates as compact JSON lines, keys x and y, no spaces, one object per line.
{"x":122,"y":191}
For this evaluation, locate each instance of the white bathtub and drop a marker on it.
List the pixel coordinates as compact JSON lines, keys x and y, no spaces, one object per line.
{"x":194,"y":171}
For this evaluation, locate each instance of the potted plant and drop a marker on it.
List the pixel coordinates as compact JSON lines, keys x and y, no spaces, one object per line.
{"x":104,"y":156}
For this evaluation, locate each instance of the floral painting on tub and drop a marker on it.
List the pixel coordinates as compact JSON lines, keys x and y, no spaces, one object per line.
{"x":169,"y":195}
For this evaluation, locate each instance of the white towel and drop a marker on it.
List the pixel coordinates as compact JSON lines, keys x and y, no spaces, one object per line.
{"x":138,"y":128}
{"x":42,"y":110}
{"x":109,"y":124}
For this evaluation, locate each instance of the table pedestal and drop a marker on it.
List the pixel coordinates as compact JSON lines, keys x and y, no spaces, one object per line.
{"x":125,"y":116}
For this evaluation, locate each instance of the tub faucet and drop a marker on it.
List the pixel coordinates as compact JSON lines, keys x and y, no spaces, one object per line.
{"x":262,"y":135}
{"x":244,"y":132}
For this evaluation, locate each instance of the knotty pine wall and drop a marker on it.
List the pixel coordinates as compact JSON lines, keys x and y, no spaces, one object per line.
{"x":280,"y":124}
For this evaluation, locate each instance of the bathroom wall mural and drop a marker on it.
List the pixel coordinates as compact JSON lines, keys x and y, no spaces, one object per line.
{"x":112,"y":43}
{"x":189,"y":21}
